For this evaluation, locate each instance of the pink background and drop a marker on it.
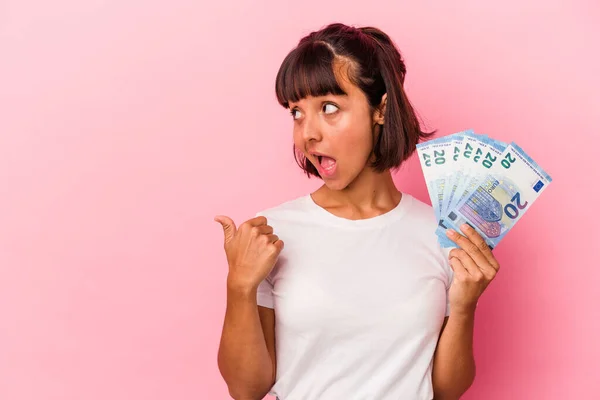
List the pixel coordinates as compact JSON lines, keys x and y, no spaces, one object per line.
{"x":125,"y":126}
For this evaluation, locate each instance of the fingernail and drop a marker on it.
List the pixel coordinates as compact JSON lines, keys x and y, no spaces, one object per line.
{"x":450,"y":232}
{"x":466,"y":226}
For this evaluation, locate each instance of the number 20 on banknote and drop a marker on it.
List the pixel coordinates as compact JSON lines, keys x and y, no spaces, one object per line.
{"x":500,"y":198}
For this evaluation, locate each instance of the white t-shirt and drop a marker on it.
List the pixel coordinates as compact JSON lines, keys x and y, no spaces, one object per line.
{"x":359,"y":304}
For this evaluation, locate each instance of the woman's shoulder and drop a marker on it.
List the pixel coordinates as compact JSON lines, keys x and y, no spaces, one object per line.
{"x":288,"y":208}
{"x":424,"y":225}
{"x":421,"y":211}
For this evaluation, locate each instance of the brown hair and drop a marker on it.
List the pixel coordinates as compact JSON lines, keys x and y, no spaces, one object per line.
{"x":376,"y":67}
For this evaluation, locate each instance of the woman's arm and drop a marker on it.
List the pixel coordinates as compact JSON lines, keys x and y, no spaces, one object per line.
{"x":453,"y":362}
{"x":247,"y":350}
{"x":244,"y":356}
{"x":474,"y":268}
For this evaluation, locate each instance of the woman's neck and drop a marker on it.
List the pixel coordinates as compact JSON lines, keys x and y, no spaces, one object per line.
{"x":369,"y":195}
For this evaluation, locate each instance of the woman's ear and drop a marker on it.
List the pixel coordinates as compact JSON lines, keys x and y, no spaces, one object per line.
{"x":378,"y":118}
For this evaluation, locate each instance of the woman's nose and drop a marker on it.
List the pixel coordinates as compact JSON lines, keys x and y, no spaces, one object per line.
{"x":311,"y":128}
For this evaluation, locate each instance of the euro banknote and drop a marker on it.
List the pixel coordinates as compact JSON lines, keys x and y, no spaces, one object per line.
{"x":474,"y":179}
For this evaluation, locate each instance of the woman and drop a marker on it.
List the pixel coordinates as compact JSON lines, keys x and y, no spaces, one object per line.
{"x":362,"y":303}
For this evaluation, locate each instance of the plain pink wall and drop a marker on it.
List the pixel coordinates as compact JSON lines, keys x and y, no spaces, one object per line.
{"x":125,"y":126}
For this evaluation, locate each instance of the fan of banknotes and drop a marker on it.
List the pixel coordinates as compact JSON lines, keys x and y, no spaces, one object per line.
{"x":474,"y":179}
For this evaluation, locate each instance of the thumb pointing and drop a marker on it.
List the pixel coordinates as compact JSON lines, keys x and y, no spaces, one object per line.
{"x":228,"y":225}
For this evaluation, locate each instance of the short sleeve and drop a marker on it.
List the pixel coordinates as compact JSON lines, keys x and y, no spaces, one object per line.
{"x":264,"y":295}
{"x":446,"y":252}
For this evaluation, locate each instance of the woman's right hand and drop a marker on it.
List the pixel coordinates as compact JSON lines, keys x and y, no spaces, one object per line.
{"x":252,"y":250}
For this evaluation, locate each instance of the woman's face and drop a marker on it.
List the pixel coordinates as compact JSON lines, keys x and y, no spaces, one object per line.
{"x":336,"y":132}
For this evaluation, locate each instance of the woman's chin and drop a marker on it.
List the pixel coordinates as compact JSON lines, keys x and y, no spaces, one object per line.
{"x":335,"y":184}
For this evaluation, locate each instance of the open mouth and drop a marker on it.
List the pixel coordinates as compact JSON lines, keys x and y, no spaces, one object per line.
{"x":327,"y":164}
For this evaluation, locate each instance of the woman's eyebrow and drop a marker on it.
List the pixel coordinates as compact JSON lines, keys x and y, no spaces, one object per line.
{"x":321,"y":98}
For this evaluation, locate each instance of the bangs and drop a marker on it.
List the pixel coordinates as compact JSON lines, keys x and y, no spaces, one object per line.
{"x":307,"y":71}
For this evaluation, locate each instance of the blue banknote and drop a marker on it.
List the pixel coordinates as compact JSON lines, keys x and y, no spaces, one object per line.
{"x":484,"y":154}
{"x":499,"y":198}
{"x":434,"y":156}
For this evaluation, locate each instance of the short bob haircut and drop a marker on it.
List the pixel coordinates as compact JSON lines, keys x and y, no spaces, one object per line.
{"x":376,"y":67}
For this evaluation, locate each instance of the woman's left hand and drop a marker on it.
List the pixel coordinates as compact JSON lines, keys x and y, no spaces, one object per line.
{"x":474,"y":268}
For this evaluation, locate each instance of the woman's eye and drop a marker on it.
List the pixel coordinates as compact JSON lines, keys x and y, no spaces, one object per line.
{"x":330,"y":108}
{"x":295,"y":114}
